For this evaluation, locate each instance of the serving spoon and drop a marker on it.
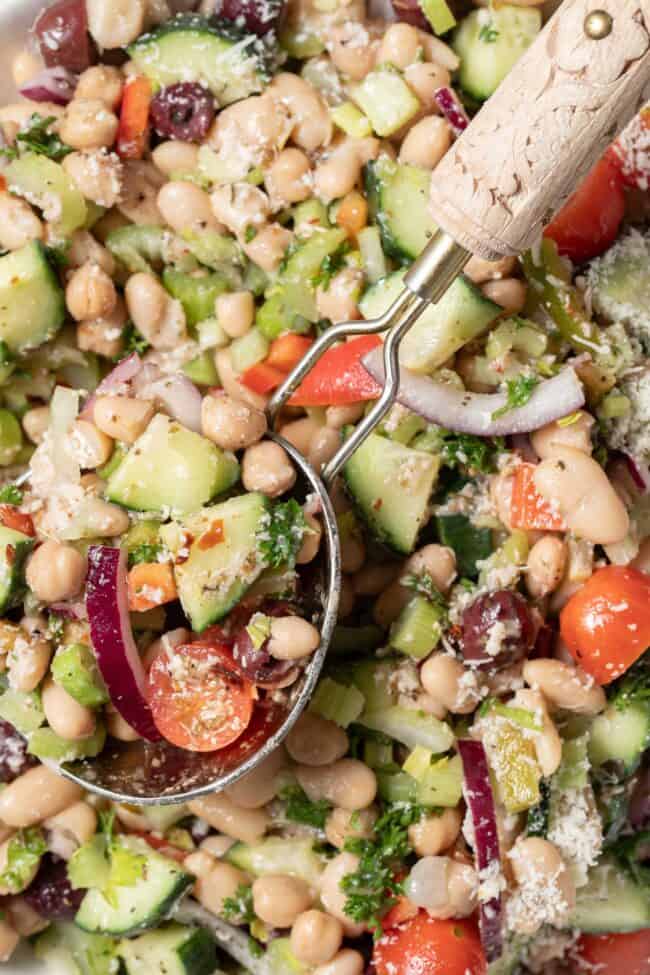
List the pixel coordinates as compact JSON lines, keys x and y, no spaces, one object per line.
{"x":576,"y":87}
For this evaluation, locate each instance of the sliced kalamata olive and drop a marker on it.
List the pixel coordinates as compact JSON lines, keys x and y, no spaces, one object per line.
{"x":497,"y":630}
{"x":639,"y":806}
{"x":184,"y":111}
{"x":14,"y":759}
{"x":62,"y":32}
{"x":257,"y":16}
{"x":410,"y":12}
{"x":258,"y":664}
{"x":50,"y":892}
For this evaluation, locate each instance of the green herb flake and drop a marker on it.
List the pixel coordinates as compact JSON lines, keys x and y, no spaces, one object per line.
{"x":36,"y":137}
{"x":134,"y":341}
{"x":24,"y":852}
{"x":250,"y":233}
{"x":423,"y":584}
{"x":238,"y":909}
{"x":331,"y":264}
{"x":10,"y":494}
{"x":518,"y":392}
{"x":476,"y":453}
{"x":300,"y":809}
{"x":282,"y":535}
{"x":146,"y":552}
{"x":488,"y":33}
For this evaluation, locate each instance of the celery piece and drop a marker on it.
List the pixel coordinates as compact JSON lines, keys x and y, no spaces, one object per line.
{"x":516,"y":334}
{"x":211,"y":335}
{"x":410,"y":727}
{"x":337,"y":703}
{"x":402,"y":426}
{"x":442,"y":783}
{"x":309,"y":214}
{"x":377,"y":754}
{"x":218,"y":170}
{"x":386,"y":99}
{"x":513,"y":552}
{"x":573,"y":773}
{"x":417,"y":630}
{"x":248,"y":350}
{"x":44,"y":743}
{"x":202,"y":370}
{"x":439,"y":15}
{"x":374,"y":679}
{"x":520,"y":716}
{"x":418,"y":762}
{"x":351,"y":120}
{"x":396,"y":786}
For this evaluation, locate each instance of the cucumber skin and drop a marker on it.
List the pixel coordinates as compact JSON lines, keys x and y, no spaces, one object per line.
{"x":48,"y":280}
{"x":16,"y":586}
{"x":375,"y":185}
{"x":161,"y":910}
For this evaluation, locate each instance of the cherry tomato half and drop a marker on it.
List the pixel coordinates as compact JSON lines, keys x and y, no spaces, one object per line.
{"x":606,"y":624}
{"x":423,"y":944}
{"x":615,"y":954}
{"x":198,"y":700}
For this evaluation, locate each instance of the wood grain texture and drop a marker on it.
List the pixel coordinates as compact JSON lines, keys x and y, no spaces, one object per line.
{"x":543,"y":129}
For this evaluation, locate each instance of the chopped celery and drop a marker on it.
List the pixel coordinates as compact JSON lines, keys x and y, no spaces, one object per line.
{"x":202,"y":370}
{"x":573,"y":773}
{"x":197,"y":294}
{"x":410,"y":727}
{"x":418,"y":762}
{"x":396,"y":786}
{"x":439,"y":15}
{"x":418,"y":629}
{"x":401,"y":425}
{"x":442,"y":783}
{"x":516,"y":334}
{"x":248,"y":350}
{"x":308,"y":214}
{"x":337,"y":703}
{"x":614,"y":406}
{"x":372,"y":254}
{"x":280,"y":959}
{"x":299,"y":43}
{"x":377,"y":754}
{"x":374,"y":679}
{"x":45,"y":744}
{"x":351,"y":120}
{"x":520,"y":716}
{"x":218,"y":170}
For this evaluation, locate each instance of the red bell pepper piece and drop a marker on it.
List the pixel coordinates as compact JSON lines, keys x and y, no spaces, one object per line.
{"x":287,"y":351}
{"x":133,"y":131}
{"x":262,"y":378}
{"x":339,"y":377}
{"x":528,"y":509}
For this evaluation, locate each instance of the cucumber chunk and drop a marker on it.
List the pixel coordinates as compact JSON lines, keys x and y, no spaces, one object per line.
{"x":461,"y":315}
{"x":620,"y":735}
{"x":32,"y":306}
{"x":75,"y":669}
{"x":611,"y":901}
{"x":490,"y":43}
{"x":14,"y":549}
{"x":386,"y":100}
{"x":45,"y":744}
{"x":171,"y":468}
{"x":141,"y":906}
{"x":223,"y":58}
{"x":293,"y":856}
{"x":65,"y":948}
{"x":391,"y":485}
{"x":470,"y":543}
{"x":417,"y":629}
{"x":398,"y":196}
{"x":213,"y":575}
{"x":46,"y":184}
{"x":170,"y":950}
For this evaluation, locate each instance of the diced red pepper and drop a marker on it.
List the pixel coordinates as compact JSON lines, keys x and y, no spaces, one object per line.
{"x":287,"y":351}
{"x":528,"y":509}
{"x":339,"y":377}
{"x":12,"y":518}
{"x":262,"y":378}
{"x":133,"y":131}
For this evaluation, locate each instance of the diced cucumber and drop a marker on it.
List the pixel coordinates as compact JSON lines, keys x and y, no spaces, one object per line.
{"x":248,"y":350}
{"x":353,"y":122}
{"x":411,"y":727}
{"x":306,"y":260}
{"x":620,"y":283}
{"x":171,"y":468}
{"x":337,"y":702}
{"x":46,"y":184}
{"x":214,"y":574}
{"x":22,"y":709}
{"x":279,"y":959}
{"x":462,"y":314}
{"x":140,"y":906}
{"x":374,"y":680}
{"x":490,"y":42}
{"x":14,"y":549}
{"x":275,"y":854}
{"x":170,"y":950}
{"x":220,"y":56}
{"x":439,"y":15}
{"x":202,"y":369}
{"x":45,"y":744}
{"x":64,"y":949}
{"x":75,"y":669}
{"x":391,"y":485}
{"x":32,"y":306}
{"x":197,"y":294}
{"x":138,"y":247}
{"x":470,"y":543}
{"x":417,"y":630}
{"x":398,"y":198}
{"x":386,"y":100}
{"x":620,"y":735}
{"x":611,"y":901}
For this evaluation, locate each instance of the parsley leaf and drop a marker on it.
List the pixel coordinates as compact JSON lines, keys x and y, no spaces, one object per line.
{"x":478,"y":453}
{"x":134,"y":341}
{"x":24,"y":852}
{"x":239,"y":908}
{"x":488,"y":33}
{"x":301,"y":809}
{"x":518,"y":392}
{"x":282,"y":533}
{"x":373,"y":888}
{"x":10,"y":494}
{"x":250,"y":233}
{"x":423,"y":584}
{"x":633,"y":687}
{"x":147,"y":552}
{"x":329,"y":266}
{"x":36,"y":137}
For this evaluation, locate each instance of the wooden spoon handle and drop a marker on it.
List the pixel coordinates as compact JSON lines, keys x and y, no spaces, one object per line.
{"x":544,"y":128}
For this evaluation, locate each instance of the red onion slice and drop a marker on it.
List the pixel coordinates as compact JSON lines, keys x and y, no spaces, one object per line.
{"x":450,"y":106}
{"x":112,"y":638}
{"x":639,"y":472}
{"x":465,"y":412}
{"x":51,"y":85}
{"x":174,"y":393}
{"x":116,"y":382}
{"x":480,"y":800}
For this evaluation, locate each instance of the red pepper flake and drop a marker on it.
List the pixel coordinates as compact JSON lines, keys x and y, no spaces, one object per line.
{"x":214,"y":535}
{"x":10,"y":554}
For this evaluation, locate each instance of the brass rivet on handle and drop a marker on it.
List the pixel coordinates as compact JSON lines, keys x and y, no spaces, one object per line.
{"x":598,"y":25}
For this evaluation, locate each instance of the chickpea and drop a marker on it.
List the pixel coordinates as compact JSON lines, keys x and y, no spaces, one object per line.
{"x":315,"y":741}
{"x":115,"y":23}
{"x":443,"y":678}
{"x":287,"y":179}
{"x":480,"y":271}
{"x":239,"y":206}
{"x":258,"y":787}
{"x":400,"y":45}
{"x":141,"y":183}
{"x":566,"y":687}
{"x":316,"y":937}
{"x":36,"y":795}
{"x":84,"y":249}
{"x":324,"y":446}
{"x":548,"y":744}
{"x":576,"y":434}
{"x":344,"y":824}
{"x":55,"y":571}
{"x":90,"y":293}
{"x":105,"y":335}
{"x":426,"y":142}
{"x":300,"y":433}
{"x":311,"y":540}
{"x":97,"y":174}
{"x":279,"y":899}
{"x":424,"y":78}
{"x":345,"y":962}
{"x":18,"y":223}
{"x":90,"y":446}
{"x":235,"y":312}
{"x":247,"y":825}
{"x":292,"y":638}
{"x":260,"y":124}
{"x":579,"y":488}
{"x":35,"y":423}
{"x":268,"y":246}
{"x":101,"y":83}
{"x":352,"y":52}
{"x":390,"y":603}
{"x":510,"y":293}
{"x":160,"y":318}
{"x":123,"y":418}
{"x":338,"y":417}
{"x":231,"y":384}
{"x":214,"y":887}
{"x":547,"y":561}
{"x":88,"y":124}
{"x":536,"y":862}
{"x":28,"y":662}
{"x":308,"y":112}
{"x":175,"y":157}
{"x":436,"y":50}
{"x":338,"y":301}
{"x":186,"y":207}
{"x":432,"y":835}
{"x":331,"y":895}
{"x":199,"y":862}
{"x":347,"y":783}
{"x":230,"y":423}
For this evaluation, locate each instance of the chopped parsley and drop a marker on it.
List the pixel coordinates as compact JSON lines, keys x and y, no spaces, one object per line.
{"x":488,"y":33}
{"x":301,"y":809}
{"x":330,"y":266}
{"x":423,"y":584}
{"x":36,"y":137}
{"x":146,"y":552}
{"x":477,"y":453}
{"x":281,"y":537}
{"x":238,"y":909}
{"x":10,"y":494}
{"x":518,"y":392}
{"x":633,"y":687}
{"x":373,"y":888}
{"x":250,"y":233}
{"x":134,"y":341}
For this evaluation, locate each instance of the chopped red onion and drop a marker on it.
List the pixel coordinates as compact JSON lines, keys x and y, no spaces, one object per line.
{"x":520,"y":442}
{"x":112,"y":638}
{"x":639,"y":472}
{"x":451,"y":107}
{"x":115,"y":382}
{"x":173,"y":392}
{"x":51,"y":85}
{"x":465,"y":412}
{"x":480,"y":800}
